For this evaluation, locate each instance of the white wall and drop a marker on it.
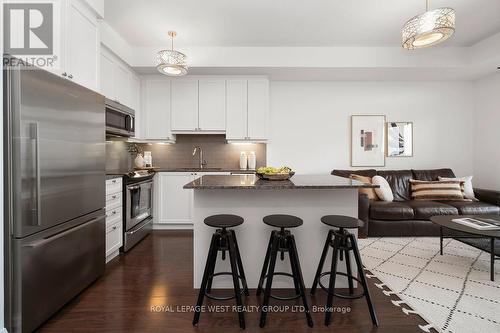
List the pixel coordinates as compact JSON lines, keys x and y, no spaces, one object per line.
{"x":487,"y":140}
{"x":310,"y":122}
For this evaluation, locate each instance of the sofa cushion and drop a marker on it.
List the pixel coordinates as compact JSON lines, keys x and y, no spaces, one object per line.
{"x":399,"y":180}
{"x":347,"y":173}
{"x":383,"y":210}
{"x":432,"y":174}
{"x":424,"y":210}
{"x":474,"y":208}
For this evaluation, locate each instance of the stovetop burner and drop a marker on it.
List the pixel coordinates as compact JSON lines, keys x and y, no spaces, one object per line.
{"x":137,"y":175}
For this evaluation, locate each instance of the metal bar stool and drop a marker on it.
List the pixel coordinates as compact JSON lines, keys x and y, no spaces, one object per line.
{"x":342,"y":242}
{"x":282,"y":241}
{"x":223,"y":240}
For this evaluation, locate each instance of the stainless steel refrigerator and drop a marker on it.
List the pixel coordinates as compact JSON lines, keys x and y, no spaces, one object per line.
{"x":55,"y":193}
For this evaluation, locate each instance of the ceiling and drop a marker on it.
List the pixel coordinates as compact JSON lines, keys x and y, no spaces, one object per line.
{"x":289,"y":22}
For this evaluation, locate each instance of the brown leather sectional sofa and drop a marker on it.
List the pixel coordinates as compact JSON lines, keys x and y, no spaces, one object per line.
{"x":406,"y":217}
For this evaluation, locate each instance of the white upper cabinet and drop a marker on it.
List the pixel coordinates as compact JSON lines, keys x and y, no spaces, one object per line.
{"x":82,"y":45}
{"x":184,"y":105}
{"x":247,"y":103}
{"x":258,"y":109}
{"x":212,"y":105}
{"x":118,"y":81}
{"x":135,"y":96}
{"x":107,"y":73}
{"x":78,"y":40}
{"x":155,"y":111}
{"x":236,"y":114}
{"x":122,"y":78}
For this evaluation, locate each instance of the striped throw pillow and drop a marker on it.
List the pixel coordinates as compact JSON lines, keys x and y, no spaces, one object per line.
{"x":442,"y":190}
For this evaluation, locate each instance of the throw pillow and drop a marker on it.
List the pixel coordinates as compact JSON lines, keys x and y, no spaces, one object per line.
{"x":468,"y":188}
{"x":370,"y":192}
{"x":440,"y":190}
{"x":384,"y":192}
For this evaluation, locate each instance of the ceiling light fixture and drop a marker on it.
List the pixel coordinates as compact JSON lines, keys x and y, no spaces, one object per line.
{"x":171,"y":62}
{"x":430,"y":28}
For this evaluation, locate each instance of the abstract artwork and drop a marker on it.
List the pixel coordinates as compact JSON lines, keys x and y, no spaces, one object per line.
{"x":399,"y":139}
{"x":367,"y":141}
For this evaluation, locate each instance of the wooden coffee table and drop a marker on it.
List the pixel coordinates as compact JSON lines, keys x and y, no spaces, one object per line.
{"x":445,"y":221}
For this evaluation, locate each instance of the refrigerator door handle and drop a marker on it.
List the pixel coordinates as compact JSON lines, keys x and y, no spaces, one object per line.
{"x":35,"y":136}
{"x":62,"y":234}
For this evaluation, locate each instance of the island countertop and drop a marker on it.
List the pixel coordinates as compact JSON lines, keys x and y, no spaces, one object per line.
{"x":251,"y":182}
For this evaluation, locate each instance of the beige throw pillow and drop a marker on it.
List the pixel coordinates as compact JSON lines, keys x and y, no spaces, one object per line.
{"x":370,"y":192}
{"x":384,"y":192}
{"x":441,"y":190}
{"x":468,"y":188}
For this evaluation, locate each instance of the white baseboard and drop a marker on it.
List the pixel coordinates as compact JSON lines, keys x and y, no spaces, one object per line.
{"x":172,"y":226}
{"x":112,"y":256}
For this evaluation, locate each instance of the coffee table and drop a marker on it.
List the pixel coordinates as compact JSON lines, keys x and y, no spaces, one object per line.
{"x":445,"y":221}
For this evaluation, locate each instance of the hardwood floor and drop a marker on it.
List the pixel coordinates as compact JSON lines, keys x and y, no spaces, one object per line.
{"x":145,"y":290}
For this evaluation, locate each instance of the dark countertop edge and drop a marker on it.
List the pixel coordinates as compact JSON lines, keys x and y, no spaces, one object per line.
{"x":113,"y":176}
{"x":191,"y":186}
{"x":202,"y":170}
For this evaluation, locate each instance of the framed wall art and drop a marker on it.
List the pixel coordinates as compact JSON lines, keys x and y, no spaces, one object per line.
{"x":367,"y":141}
{"x":399,"y":139}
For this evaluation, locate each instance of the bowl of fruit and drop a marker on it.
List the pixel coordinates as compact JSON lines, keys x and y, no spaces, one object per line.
{"x":271,"y":173}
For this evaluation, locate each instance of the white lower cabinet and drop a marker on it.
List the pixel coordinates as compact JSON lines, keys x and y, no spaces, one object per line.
{"x":114,"y":218}
{"x":173,"y":203}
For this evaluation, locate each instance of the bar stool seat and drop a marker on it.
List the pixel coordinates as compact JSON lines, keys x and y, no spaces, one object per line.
{"x":341,"y":221}
{"x":283,"y":221}
{"x":223,"y":221}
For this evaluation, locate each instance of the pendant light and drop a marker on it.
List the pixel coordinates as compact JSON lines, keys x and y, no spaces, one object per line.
{"x":171,"y":62}
{"x":430,"y":28}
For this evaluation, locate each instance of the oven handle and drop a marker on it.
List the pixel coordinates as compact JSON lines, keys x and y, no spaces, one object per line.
{"x":145,"y":223}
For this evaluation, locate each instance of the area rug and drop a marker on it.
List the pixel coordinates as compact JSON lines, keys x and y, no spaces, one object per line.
{"x":452,"y":292}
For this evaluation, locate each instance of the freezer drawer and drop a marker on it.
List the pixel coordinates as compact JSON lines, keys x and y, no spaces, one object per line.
{"x":53,"y":269}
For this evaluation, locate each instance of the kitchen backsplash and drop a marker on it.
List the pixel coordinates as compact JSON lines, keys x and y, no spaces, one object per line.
{"x":216,"y":152}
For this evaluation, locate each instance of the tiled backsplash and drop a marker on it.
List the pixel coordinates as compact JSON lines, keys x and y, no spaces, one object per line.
{"x":216,"y":152}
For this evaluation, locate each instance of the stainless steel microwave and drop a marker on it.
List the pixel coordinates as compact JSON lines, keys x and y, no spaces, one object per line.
{"x":120,"y":119}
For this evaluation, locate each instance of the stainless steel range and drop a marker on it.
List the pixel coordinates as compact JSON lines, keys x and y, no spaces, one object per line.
{"x":138,"y":207}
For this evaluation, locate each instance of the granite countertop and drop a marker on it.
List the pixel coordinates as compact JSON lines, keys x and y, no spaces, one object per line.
{"x":202,"y":170}
{"x":112,"y":176}
{"x":216,"y":182}
{"x":121,"y":172}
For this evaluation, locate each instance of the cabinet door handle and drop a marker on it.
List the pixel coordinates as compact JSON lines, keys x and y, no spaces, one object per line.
{"x":70,"y":76}
{"x":114,"y":181}
{"x":64,"y":74}
{"x":113,"y":197}
{"x":114,"y":227}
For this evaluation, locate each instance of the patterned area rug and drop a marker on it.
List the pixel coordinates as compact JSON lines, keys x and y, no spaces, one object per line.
{"x":452,"y":292}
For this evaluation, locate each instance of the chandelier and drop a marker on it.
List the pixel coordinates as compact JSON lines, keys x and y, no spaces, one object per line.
{"x":171,"y":62}
{"x":430,"y":28}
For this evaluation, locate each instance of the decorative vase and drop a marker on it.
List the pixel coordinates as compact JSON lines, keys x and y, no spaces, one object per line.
{"x":252,"y":161}
{"x":139,"y":161}
{"x":243,"y":160}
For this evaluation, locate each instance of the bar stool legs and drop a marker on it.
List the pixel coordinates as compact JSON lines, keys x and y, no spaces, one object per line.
{"x":282,"y":242}
{"x":343,"y":243}
{"x":223,"y":240}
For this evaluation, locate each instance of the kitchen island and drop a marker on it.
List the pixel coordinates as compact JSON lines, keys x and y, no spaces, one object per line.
{"x":307,"y":196}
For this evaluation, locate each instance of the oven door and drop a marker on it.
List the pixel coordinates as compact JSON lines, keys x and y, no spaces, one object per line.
{"x":139,"y":203}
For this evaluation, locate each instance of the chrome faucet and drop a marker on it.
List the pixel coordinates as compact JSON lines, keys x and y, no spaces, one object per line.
{"x":202,"y":162}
